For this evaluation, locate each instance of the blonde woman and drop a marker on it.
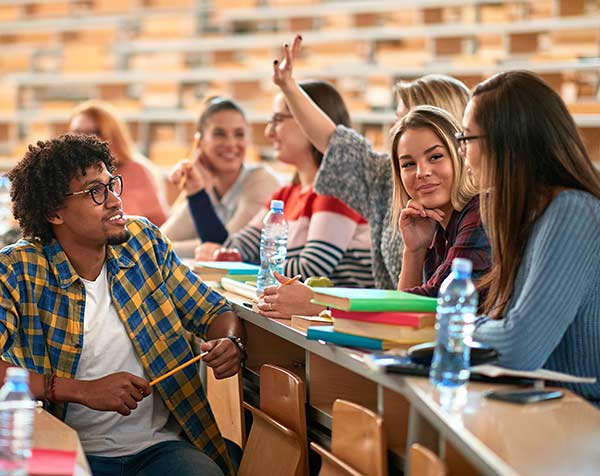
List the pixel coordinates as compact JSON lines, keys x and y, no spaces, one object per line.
{"x":142,"y":194}
{"x":352,"y":171}
{"x":542,"y":210}
{"x":435,"y":204}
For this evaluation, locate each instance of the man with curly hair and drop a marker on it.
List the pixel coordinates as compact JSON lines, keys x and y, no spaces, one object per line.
{"x":96,"y":304}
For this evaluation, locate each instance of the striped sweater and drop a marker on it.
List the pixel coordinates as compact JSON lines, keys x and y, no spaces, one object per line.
{"x":325,"y":238}
{"x":553,"y":318}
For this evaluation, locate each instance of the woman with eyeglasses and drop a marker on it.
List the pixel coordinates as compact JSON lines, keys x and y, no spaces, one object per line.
{"x":542,"y":210}
{"x":222,"y":190}
{"x":143,"y":194}
{"x":422,"y":208}
{"x":326,"y":237}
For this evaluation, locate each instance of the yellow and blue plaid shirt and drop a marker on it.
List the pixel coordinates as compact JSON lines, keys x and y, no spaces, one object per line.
{"x":156,"y":297}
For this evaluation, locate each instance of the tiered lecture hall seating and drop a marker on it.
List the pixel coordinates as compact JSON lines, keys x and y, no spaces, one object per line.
{"x":157,"y":59}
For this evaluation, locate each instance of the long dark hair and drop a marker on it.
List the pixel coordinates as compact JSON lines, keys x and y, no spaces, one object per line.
{"x":531,"y":148}
{"x":330,"y":102}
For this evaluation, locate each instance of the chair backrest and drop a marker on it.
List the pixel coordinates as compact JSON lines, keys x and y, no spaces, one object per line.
{"x":277,"y":443}
{"x":225,"y":397}
{"x":271,"y":448}
{"x":358,"y":438}
{"x":424,"y":462}
{"x":282,"y":397}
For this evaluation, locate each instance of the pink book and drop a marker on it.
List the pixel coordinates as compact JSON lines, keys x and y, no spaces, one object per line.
{"x":417,"y":320}
{"x":47,"y":462}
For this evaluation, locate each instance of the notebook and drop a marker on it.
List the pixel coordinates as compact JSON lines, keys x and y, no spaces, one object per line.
{"x":356,"y":299}
{"x":238,"y":287}
{"x":411,"y":319}
{"x":215,"y":270}
{"x":327,"y":334}
{"x":403,"y":334}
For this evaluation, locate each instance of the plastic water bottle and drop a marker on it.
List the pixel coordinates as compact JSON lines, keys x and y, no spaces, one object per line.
{"x":16,"y":422}
{"x":5,"y":213}
{"x":456,"y":309}
{"x":273,"y":246}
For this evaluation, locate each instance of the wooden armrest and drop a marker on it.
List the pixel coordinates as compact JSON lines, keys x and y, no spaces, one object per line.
{"x":266,"y":418}
{"x":329,"y":459}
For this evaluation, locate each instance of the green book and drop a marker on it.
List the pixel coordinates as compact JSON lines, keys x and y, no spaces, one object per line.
{"x":356,"y":299}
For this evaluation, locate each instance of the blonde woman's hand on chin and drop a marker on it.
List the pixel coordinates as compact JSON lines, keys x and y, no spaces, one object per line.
{"x":417,"y":225}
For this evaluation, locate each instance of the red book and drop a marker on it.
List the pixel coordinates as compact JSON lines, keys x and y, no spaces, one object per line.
{"x":418,"y":320}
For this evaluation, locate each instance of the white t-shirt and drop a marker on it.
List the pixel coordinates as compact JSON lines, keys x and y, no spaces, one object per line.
{"x":107,"y":349}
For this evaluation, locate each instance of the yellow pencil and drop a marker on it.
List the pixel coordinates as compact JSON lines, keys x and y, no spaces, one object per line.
{"x":194,"y":147}
{"x":177,"y":369}
{"x":285,"y":283}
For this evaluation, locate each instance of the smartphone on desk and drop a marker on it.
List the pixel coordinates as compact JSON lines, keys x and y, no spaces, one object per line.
{"x":524,"y":396}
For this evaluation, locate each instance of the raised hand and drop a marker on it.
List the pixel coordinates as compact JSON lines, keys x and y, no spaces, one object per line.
{"x":117,"y":392}
{"x":418,"y":224}
{"x":282,"y":70}
{"x":223,"y":356}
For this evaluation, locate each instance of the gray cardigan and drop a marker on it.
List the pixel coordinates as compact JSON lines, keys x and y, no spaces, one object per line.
{"x":362,"y":178}
{"x":553,"y":318}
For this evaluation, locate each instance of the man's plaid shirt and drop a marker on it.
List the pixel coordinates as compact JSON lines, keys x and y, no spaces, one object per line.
{"x":156,"y":297}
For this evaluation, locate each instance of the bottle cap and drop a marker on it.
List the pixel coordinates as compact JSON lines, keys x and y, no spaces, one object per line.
{"x":277,"y":205}
{"x":17,"y":373}
{"x":462,"y":265}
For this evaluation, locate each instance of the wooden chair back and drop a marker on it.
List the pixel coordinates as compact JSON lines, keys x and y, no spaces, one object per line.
{"x":358,"y":443}
{"x":271,"y":448}
{"x":424,"y":462}
{"x":277,"y":443}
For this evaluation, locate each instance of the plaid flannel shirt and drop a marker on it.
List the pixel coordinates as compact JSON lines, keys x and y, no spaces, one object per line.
{"x":156,"y":297}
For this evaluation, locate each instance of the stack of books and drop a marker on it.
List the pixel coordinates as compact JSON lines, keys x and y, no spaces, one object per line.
{"x":375,"y":318}
{"x":216,"y":270}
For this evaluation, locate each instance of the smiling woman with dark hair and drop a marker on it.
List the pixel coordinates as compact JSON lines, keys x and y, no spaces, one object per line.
{"x":217,"y":179}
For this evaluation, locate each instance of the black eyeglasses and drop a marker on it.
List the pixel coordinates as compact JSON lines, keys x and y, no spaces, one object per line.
{"x":99,"y":192}
{"x":461,"y":138}
{"x":278,"y":117}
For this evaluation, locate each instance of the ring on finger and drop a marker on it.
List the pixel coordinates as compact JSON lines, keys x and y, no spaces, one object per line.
{"x":270,"y":306}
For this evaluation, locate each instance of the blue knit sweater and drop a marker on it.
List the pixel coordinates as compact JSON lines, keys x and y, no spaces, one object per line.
{"x":553,"y":318}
